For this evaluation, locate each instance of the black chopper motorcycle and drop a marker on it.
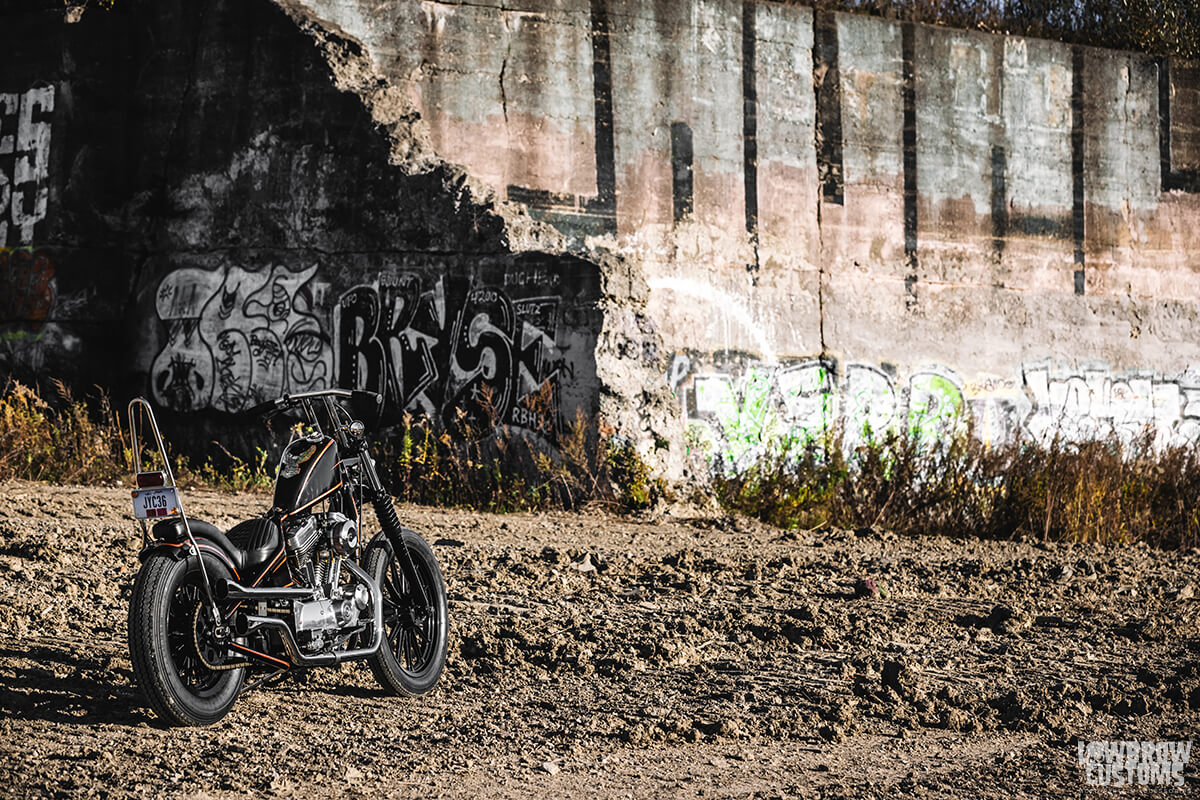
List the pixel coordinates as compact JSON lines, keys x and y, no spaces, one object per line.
{"x":215,"y":614}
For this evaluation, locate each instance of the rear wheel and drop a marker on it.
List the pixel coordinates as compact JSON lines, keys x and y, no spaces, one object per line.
{"x":171,"y":642}
{"x":415,"y":618}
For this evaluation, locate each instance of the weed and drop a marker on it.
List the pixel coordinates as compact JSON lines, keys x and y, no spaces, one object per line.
{"x":481,"y":465}
{"x":1103,"y":491}
{"x":68,"y":440}
{"x":474,"y":462}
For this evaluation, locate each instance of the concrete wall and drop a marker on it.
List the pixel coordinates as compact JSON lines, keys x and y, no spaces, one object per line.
{"x":840,"y":217}
{"x":719,"y":222}
{"x":199,"y":214}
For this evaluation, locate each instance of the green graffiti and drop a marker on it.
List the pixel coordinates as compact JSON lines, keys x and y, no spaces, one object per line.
{"x":796,"y":408}
{"x":810,"y":402}
{"x":744,"y":420}
{"x":935,"y":406}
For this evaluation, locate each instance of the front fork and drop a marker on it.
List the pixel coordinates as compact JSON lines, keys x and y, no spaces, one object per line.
{"x":389,"y":521}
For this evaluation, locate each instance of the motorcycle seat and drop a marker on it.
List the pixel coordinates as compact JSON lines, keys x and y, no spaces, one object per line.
{"x":250,"y":544}
{"x":259,"y":541}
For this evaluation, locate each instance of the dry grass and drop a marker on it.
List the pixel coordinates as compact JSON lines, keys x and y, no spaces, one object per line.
{"x":1095,"y":491}
{"x":494,"y":467}
{"x":485,"y":466}
{"x":68,"y":440}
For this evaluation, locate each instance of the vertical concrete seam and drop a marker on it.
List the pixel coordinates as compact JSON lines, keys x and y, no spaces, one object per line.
{"x":750,"y":128}
{"x":818,"y":138}
{"x":1077,"y":156}
{"x":602,"y":98}
{"x":909,"y":90}
{"x":682,"y":200}
{"x":999,"y":133}
{"x":504,"y":68}
{"x":1183,"y":180}
{"x":828,"y":107}
{"x":1164,"y":121}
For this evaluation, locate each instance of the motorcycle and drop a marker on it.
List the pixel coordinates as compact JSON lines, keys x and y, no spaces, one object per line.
{"x":215,"y":614}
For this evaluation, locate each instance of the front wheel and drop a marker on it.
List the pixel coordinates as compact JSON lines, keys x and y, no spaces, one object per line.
{"x":415,"y":618}
{"x":171,"y":642}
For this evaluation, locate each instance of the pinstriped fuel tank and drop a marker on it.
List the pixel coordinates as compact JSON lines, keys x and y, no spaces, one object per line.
{"x":307,"y":473}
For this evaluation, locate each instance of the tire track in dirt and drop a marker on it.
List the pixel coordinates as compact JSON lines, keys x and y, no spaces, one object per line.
{"x":657,"y":657}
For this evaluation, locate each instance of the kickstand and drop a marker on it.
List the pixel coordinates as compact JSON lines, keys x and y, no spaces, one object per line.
{"x":254,"y":684}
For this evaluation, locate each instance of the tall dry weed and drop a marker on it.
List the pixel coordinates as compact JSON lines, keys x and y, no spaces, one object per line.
{"x":1099,"y":491}
{"x":68,"y":441}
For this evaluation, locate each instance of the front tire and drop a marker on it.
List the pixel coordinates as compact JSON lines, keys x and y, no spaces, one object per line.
{"x":416,"y":624}
{"x":168,"y":623}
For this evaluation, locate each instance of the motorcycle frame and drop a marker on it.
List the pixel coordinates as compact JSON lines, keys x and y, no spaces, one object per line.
{"x":307,"y":401}
{"x":135,"y":442}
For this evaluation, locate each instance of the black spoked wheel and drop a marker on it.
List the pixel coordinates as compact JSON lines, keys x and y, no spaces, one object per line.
{"x":175,"y":657}
{"x":415,"y":618}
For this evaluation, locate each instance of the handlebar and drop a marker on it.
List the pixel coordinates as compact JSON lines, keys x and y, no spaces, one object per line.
{"x":356,"y":397}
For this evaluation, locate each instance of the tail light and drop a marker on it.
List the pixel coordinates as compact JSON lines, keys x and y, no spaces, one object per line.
{"x":149,"y":480}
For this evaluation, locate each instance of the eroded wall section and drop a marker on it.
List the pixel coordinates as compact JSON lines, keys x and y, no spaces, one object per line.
{"x":721,"y":223}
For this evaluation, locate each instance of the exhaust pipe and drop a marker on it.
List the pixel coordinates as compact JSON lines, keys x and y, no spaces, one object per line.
{"x":224,"y":589}
{"x":244,"y":623}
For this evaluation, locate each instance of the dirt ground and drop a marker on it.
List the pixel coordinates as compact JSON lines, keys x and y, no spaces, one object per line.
{"x":595,"y":656}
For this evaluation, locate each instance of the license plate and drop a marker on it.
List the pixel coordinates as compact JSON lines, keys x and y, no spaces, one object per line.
{"x":153,"y":503}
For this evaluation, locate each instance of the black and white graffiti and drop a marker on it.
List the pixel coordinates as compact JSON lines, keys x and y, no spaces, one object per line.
{"x":1079,"y":405}
{"x":443,"y":346}
{"x":237,"y":337}
{"x":24,"y":162}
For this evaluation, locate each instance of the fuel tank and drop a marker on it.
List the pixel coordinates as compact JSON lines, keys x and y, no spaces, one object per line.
{"x":307,"y":473}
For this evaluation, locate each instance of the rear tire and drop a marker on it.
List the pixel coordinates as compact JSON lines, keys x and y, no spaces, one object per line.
{"x":416,"y":634}
{"x":164,"y":631}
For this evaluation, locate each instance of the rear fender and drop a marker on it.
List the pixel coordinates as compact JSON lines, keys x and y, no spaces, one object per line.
{"x":178,"y":550}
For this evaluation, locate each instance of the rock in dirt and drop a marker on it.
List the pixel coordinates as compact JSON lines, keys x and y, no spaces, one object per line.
{"x":589,"y":563}
{"x":551,"y":768}
{"x":1008,"y":619}
{"x":1062,"y":573}
{"x":865,"y":587}
{"x":900,"y":677}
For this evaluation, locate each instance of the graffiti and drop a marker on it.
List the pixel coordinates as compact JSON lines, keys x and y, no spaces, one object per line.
{"x":24,"y":162}
{"x":773,"y":407}
{"x":237,"y":337}
{"x":1095,"y":404}
{"x":452,"y":348}
{"x":743,"y":408}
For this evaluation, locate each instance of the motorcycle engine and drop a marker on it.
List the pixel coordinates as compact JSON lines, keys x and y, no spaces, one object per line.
{"x":315,"y":547}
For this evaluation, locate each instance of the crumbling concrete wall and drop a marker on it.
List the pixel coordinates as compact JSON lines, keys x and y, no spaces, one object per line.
{"x":719,"y":223}
{"x":203,"y":215}
{"x":839,"y":219}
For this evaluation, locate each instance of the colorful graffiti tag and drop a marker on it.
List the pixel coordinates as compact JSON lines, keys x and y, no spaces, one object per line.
{"x":237,"y":337}
{"x":24,"y":162}
{"x":26,"y":306}
{"x":28,"y":276}
{"x":438,"y":347}
{"x":739,"y":412}
{"x":742,"y":416}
